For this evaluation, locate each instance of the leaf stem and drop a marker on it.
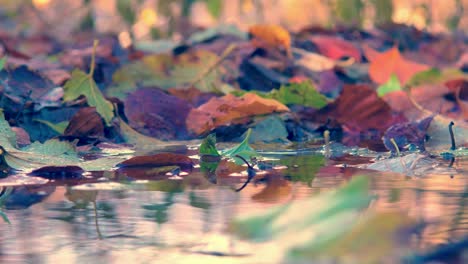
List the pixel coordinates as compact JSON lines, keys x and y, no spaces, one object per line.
{"x":452,"y":137}
{"x":397,"y":149}
{"x":212,"y":67}
{"x":93,"y":58}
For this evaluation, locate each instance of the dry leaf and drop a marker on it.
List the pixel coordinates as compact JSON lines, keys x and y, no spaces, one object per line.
{"x":383,"y":65}
{"x":230,"y":109}
{"x":271,"y":36}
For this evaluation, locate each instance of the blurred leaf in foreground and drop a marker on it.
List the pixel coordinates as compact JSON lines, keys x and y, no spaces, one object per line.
{"x":329,"y":226}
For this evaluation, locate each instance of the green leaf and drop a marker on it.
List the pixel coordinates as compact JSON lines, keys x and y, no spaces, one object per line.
{"x":392,"y":85}
{"x":303,"y":93}
{"x":166,"y":71}
{"x":299,"y":216}
{"x":434,"y":76}
{"x":214,"y":7}
{"x":126,"y":11}
{"x":57,"y":127}
{"x":243,"y":149}
{"x":208,"y":146}
{"x":330,"y":226}
{"x":2,"y":62}
{"x":5,"y":217}
{"x":7,"y":136}
{"x":303,"y":168}
{"x":81,"y":83}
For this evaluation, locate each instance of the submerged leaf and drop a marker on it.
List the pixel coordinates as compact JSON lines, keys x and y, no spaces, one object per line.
{"x":83,"y":84}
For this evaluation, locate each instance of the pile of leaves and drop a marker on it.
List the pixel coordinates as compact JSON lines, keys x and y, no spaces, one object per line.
{"x":91,"y":105}
{"x":369,"y":89}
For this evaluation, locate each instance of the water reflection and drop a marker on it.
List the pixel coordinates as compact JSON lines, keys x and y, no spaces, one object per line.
{"x":183,"y":221}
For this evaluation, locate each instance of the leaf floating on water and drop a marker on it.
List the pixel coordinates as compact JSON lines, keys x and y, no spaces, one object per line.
{"x":158,"y":160}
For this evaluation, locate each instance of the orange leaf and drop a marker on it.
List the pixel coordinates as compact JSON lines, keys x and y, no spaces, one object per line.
{"x":383,"y":65}
{"x":230,"y":109}
{"x":271,"y":36}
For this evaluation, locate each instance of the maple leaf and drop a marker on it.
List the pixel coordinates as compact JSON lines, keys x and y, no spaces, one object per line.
{"x":383,"y":65}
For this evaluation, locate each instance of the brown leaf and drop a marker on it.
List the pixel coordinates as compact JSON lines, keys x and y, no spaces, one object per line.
{"x":360,"y":109}
{"x":385,"y":64}
{"x":158,"y":160}
{"x":230,"y":109}
{"x":58,"y":172}
{"x":85,"y":123}
{"x":460,"y":89}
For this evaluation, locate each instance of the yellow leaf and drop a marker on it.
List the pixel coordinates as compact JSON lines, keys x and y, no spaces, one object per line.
{"x":272,"y":36}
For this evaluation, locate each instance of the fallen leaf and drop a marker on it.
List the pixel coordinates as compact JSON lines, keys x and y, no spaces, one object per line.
{"x":360,"y":109}
{"x":58,"y":172}
{"x":303,"y":93}
{"x":208,"y":147}
{"x":460,"y":89}
{"x":198,"y":68}
{"x":384,"y":64}
{"x":158,"y":160}
{"x":85,"y":123}
{"x":336,"y":48}
{"x":392,"y":85}
{"x":230,"y":109}
{"x":407,"y":133}
{"x":81,"y":83}
{"x":316,"y":62}
{"x":271,"y":36}
{"x":243,"y":149}
{"x":157,"y":114}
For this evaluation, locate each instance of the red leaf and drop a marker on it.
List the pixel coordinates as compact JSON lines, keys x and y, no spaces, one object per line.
{"x":336,"y":48}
